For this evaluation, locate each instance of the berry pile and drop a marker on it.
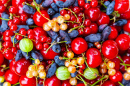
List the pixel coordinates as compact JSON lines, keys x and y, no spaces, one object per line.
{"x":64,"y":43}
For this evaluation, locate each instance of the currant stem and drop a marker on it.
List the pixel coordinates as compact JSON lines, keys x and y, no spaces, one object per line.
{"x":16,"y":84}
{"x":75,"y":28}
{"x":83,"y":80}
{"x":32,"y":59}
{"x":120,"y":83}
{"x":98,"y":81}
{"x":4,"y":19}
{"x":125,"y":64}
{"x":122,"y":62}
{"x":6,"y":68}
{"x":71,"y":21}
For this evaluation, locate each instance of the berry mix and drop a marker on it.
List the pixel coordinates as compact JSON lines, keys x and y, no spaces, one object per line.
{"x":64,"y":43}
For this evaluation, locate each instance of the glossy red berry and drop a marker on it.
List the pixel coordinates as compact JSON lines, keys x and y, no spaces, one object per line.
{"x":13,"y":9}
{"x":117,"y":77}
{"x":65,"y":83}
{"x":13,"y":27}
{"x":113,"y":34}
{"x":81,"y":3}
{"x":1,"y":58}
{"x":79,"y":45}
{"x":126,"y":27}
{"x":108,"y":83}
{"x":94,"y":28}
{"x":94,"y":3}
{"x":94,"y":58}
{"x":63,"y":12}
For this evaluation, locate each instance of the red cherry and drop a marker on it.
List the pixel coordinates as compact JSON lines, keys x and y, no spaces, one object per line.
{"x":117,"y":77}
{"x":65,"y":83}
{"x":93,"y":57}
{"x":81,"y":3}
{"x":11,"y":77}
{"x":87,"y":22}
{"x":123,"y":41}
{"x":1,"y":58}
{"x":94,"y":3}
{"x":121,"y":6}
{"x":17,"y":2}
{"x":52,"y":81}
{"x":113,"y":34}
{"x":80,"y":84}
{"x":94,"y":14}
{"x":110,"y":49}
{"x":126,"y":15}
{"x":87,"y":6}
{"x":108,"y":83}
{"x":103,"y":19}
{"x":79,"y":45}
{"x":87,"y":31}
{"x":12,"y":65}
{"x":49,"y":55}
{"x":38,"y":31}
{"x":21,"y":66}
{"x":117,"y":63}
{"x":94,"y":28}
{"x":39,"y":19}
{"x":25,"y":81}
{"x":13,"y":9}
{"x":127,"y":26}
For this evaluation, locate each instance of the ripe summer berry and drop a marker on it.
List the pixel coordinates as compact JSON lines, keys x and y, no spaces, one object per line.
{"x":94,"y":28}
{"x":103,"y":19}
{"x":76,"y":10}
{"x":87,"y":6}
{"x":79,"y":45}
{"x":25,"y":81}
{"x":39,"y":20}
{"x":12,"y":65}
{"x":13,"y":27}
{"x":126,"y":27}
{"x":123,"y":41}
{"x":94,"y":58}
{"x":80,"y":84}
{"x":38,"y":31}
{"x":11,"y":77}
{"x":110,"y":49}
{"x":22,"y":31}
{"x":16,"y":20}
{"x":63,"y":12}
{"x":108,"y":83}
{"x":17,"y":2}
{"x":117,"y":77}
{"x":65,"y":83}
{"x":113,"y":34}
{"x":81,"y":3}
{"x":94,"y":14}
{"x":1,"y":58}
{"x":94,"y":3}
{"x":23,"y":17}
{"x":87,"y":22}
{"x":21,"y":66}
{"x":52,"y":81}
{"x":13,"y":9}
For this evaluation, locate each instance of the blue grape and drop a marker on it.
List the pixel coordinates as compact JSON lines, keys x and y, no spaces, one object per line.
{"x":47,"y":3}
{"x":36,"y":55}
{"x":90,"y":45}
{"x":56,"y":48}
{"x":4,"y":25}
{"x":51,"y":70}
{"x":29,"y":21}
{"x":22,"y":26}
{"x":38,"y":1}
{"x":28,"y":9}
{"x":54,"y":6}
{"x":125,"y":82}
{"x":74,"y":74}
{"x":106,"y":32}
{"x":18,"y":55}
{"x":15,"y":40}
{"x":73,"y":34}
{"x":102,"y":27}
{"x":50,"y":11}
{"x":68,"y":3}
{"x":27,"y":56}
{"x":65,"y":36}
{"x":93,"y":37}
{"x":52,"y":34}
{"x":75,"y":3}
{"x":120,"y":22}
{"x":58,"y":61}
{"x":59,"y":3}
{"x":55,"y":15}
{"x":106,"y":3}
{"x":110,"y":8}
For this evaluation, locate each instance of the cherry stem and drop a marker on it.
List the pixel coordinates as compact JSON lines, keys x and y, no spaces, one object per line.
{"x":16,"y":84}
{"x":75,"y":28}
{"x":71,"y":21}
{"x":32,"y":59}
{"x":125,"y":64}
{"x":38,"y":9}
{"x":83,"y":80}
{"x":122,"y":62}
{"x":120,"y":83}
{"x":66,"y":58}
{"x":4,"y":19}
{"x":6,"y":68}
{"x":0,"y":45}
{"x":98,"y":81}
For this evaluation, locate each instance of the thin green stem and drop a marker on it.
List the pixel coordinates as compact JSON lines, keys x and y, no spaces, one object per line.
{"x":32,"y":59}
{"x":4,"y":19}
{"x":98,"y":81}
{"x":29,"y":5}
{"x":75,"y":28}
{"x":122,"y":62}
{"x":68,"y":58}
{"x":83,"y":80}
{"x":125,"y":64}
{"x":120,"y":83}
{"x":71,"y":21}
{"x":6,"y":68}
{"x":16,"y":84}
